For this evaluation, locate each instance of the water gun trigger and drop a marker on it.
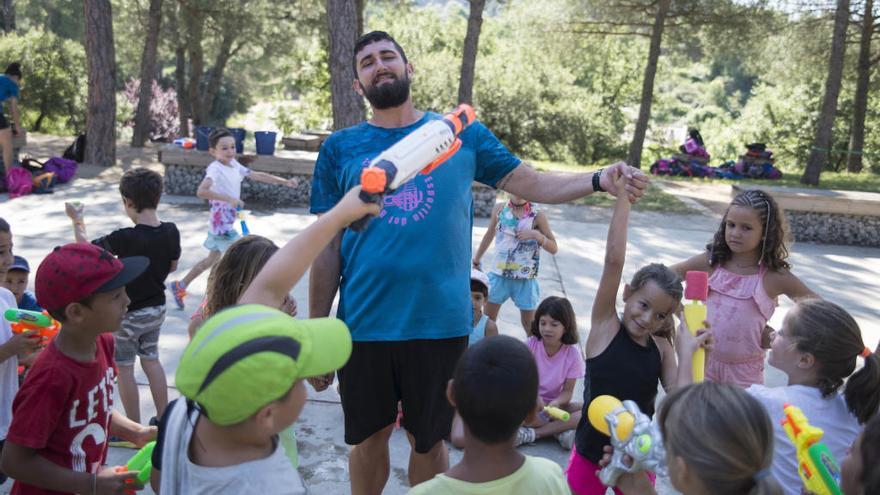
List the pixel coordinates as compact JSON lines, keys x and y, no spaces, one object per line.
{"x":456,"y":145}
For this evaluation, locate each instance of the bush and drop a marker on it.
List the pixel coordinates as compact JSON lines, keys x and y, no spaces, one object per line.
{"x":53,"y":92}
{"x":164,"y":116}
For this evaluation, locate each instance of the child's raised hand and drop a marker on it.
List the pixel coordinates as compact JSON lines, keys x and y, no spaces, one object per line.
{"x":634,"y":186}
{"x":74,"y":210}
{"x":686,"y":343}
{"x":109,"y":481}
{"x":351,"y":207}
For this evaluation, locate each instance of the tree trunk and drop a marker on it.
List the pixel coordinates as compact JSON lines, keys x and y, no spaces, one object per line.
{"x":469,"y":54}
{"x":348,"y":107}
{"x":635,"y":148}
{"x":822,"y":141}
{"x":142,"y":127}
{"x":180,"y":71}
{"x":860,"y":103}
{"x":8,"y":16}
{"x":101,"y":68}
{"x":361,"y":4}
{"x":195,"y":32}
{"x":216,"y":76}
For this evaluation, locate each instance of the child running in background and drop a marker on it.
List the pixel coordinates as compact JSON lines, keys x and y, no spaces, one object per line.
{"x":817,"y":348}
{"x":17,"y":282}
{"x":493,"y":389}
{"x":141,"y":190}
{"x":718,"y":440}
{"x":627,"y":355}
{"x":520,"y":232}
{"x":554,"y":344}
{"x":748,"y":270}
{"x":222,"y":188}
{"x":483,"y":326}
{"x":860,"y":470}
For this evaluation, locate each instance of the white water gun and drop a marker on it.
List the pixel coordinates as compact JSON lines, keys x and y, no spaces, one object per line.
{"x":422,"y":150}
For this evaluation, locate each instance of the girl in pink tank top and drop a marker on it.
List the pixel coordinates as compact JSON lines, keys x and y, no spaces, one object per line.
{"x":748,"y":270}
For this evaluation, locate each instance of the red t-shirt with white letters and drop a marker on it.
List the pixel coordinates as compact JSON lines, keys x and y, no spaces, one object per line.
{"x":63,"y":410}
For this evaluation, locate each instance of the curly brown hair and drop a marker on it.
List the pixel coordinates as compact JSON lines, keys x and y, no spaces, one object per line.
{"x":774,"y":251}
{"x":236,"y":270}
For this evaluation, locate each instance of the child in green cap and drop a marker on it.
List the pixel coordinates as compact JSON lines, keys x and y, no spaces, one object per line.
{"x":241,"y":378}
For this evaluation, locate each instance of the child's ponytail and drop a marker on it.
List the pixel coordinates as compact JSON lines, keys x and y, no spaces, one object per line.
{"x":832,"y":336}
{"x":862,"y":391}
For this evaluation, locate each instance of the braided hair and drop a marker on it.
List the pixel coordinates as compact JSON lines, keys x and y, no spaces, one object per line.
{"x":774,"y":233}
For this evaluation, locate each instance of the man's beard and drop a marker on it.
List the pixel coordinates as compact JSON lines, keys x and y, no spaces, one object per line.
{"x":388,"y":95}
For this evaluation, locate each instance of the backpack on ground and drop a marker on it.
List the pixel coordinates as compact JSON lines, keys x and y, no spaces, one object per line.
{"x":77,"y":150}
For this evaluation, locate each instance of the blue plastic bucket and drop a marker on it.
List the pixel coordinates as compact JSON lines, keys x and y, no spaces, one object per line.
{"x":238,"y":133}
{"x":265,"y":142}
{"x":202,"y":133}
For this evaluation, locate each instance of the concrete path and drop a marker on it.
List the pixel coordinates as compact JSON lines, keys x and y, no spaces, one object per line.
{"x":847,"y":275}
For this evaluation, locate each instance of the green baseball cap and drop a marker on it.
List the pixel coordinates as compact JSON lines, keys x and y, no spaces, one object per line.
{"x":247,"y":356}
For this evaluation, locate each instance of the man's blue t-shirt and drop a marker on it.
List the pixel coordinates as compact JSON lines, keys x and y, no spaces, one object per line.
{"x":407,"y":276}
{"x":8,"y":88}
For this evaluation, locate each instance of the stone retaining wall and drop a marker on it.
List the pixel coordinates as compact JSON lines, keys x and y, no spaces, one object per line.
{"x":831,"y":228}
{"x":184,"y":180}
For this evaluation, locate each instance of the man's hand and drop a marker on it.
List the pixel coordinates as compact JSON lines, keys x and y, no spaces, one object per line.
{"x":322,"y":382}
{"x":636,"y":181}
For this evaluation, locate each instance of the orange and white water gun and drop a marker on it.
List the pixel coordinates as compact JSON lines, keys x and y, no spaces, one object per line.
{"x":422,"y":150}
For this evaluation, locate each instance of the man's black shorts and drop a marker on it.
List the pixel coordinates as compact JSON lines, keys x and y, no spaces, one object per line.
{"x":4,"y":124}
{"x":414,"y":372}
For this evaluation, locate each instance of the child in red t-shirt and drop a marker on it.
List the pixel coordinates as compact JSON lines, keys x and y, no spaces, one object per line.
{"x":62,"y":416}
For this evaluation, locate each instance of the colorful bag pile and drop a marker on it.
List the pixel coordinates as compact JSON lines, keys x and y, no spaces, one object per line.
{"x":693,"y":161}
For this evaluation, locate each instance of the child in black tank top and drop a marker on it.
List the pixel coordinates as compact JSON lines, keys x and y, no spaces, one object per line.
{"x":627,"y":355}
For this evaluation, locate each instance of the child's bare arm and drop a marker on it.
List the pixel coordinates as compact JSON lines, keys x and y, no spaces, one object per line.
{"x":28,"y":466}
{"x":489,"y":236}
{"x":787,"y":283}
{"x":287,"y":266}
{"x":567,"y":392}
{"x":127,"y":429}
{"x":272,"y":179}
{"x":549,"y":240}
{"x":205,"y":192}
{"x":604,"y":305}
{"x":699,"y":262}
{"x":74,"y":211}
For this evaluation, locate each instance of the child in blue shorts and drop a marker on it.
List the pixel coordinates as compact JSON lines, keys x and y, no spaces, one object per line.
{"x":222,"y":188}
{"x":520,"y":232}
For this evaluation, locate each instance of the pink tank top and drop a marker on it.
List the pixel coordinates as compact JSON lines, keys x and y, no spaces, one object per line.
{"x":738,"y":310}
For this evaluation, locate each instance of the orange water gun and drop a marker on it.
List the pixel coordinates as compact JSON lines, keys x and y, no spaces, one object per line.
{"x":40,"y":324}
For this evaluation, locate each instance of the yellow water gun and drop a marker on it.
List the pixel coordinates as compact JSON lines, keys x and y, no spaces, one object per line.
{"x":818,"y":469}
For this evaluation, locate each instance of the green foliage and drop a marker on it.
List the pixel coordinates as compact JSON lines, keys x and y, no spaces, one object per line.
{"x":53,"y":90}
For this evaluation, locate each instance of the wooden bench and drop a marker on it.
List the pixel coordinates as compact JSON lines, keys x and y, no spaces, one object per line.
{"x":827,"y":216}
{"x":302,"y":142}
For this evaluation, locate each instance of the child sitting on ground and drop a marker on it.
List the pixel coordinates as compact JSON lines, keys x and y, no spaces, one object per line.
{"x":241,"y":378}
{"x":554,"y":343}
{"x":16,"y":281}
{"x":222,"y":188}
{"x":493,"y":389}
{"x":483,"y":325}
{"x":520,"y":232}
{"x":141,"y":190}
{"x":63,"y":413}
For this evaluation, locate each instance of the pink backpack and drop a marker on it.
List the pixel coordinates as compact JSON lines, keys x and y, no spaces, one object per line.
{"x":19,"y":182}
